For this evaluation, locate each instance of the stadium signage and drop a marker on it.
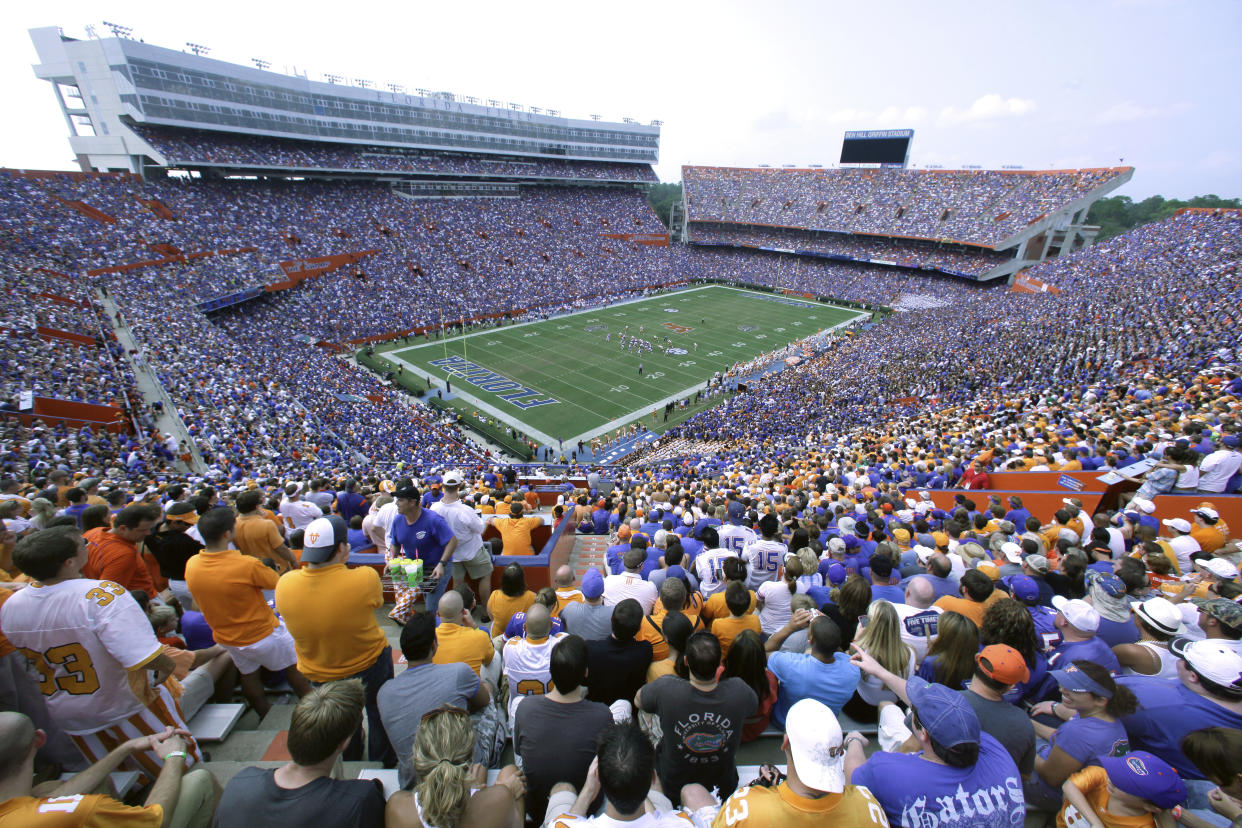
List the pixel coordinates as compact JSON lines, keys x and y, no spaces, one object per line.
{"x":488,"y":380}
{"x":879,"y":133}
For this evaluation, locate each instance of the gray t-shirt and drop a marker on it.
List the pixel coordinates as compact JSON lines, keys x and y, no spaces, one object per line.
{"x":556,"y":743}
{"x":421,"y":689}
{"x":591,"y":622}
{"x":1008,"y":725}
{"x":252,"y":798}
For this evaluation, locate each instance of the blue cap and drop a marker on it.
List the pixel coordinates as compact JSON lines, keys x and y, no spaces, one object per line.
{"x":945,"y":714}
{"x":852,"y":542}
{"x":1110,"y":585}
{"x":836,"y":574}
{"x":1076,"y":681}
{"x":1022,"y":587}
{"x":1146,"y":776}
{"x":676,"y":571}
{"x":736,"y":511}
{"x":592,"y":583}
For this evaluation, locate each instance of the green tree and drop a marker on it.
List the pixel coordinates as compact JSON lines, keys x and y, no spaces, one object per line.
{"x":662,"y":197}
{"x":1119,"y":214}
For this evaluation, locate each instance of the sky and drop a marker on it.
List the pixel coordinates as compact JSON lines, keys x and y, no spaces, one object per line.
{"x":1046,"y":85}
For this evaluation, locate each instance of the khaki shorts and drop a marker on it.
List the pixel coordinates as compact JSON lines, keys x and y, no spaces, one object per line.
{"x":477,"y":567}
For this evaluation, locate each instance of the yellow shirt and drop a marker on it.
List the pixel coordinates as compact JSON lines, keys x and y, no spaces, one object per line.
{"x":658,"y":669}
{"x":330,"y":614}
{"x":228,"y":589}
{"x":502,"y":607}
{"x":759,"y":806}
{"x":728,"y":628}
{"x":258,"y":537}
{"x":515,"y":532}
{"x":463,"y":644}
{"x":565,"y":597}
{"x":1093,"y":782}
{"x":716,"y":607}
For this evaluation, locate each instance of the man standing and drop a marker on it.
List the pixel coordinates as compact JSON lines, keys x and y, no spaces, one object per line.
{"x":296,"y":512}
{"x":98,"y":660}
{"x":228,"y":588}
{"x":815,"y":792}
{"x":701,"y":720}
{"x":555,"y":734}
{"x":1220,"y":466}
{"x":257,"y":536}
{"x":113,"y":553}
{"x":515,"y":530}
{"x":590,"y":618}
{"x":709,"y":564}
{"x":303,"y":791}
{"x":472,"y":559}
{"x":420,"y":533}
{"x":330,"y":612}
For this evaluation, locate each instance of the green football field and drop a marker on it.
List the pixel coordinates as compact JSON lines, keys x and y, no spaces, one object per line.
{"x":569,"y":379}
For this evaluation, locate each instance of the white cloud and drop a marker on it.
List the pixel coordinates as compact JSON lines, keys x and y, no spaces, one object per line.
{"x":891,"y":117}
{"x":1126,"y":111}
{"x":989,"y":107}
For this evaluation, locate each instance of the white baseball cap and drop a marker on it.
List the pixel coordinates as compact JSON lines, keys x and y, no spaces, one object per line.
{"x":1204,"y":511}
{"x":1077,"y":612}
{"x":923,"y":553}
{"x":1180,"y":524}
{"x":1012,"y":552}
{"x":1210,"y":659}
{"x":1219,"y":567}
{"x":452,"y":478}
{"x":1143,"y":505}
{"x":815,"y":745}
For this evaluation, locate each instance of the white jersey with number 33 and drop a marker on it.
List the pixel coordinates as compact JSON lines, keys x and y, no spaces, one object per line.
{"x":83,"y":637}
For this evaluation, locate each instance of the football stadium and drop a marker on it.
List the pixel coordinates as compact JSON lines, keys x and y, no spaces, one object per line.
{"x":382,"y":455}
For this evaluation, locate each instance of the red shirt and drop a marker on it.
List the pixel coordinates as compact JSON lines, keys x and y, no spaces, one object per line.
{"x":972,"y":479}
{"x":116,"y":559}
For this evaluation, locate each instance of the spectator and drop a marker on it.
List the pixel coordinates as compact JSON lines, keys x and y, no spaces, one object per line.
{"x":172,"y":547}
{"x":950,"y":659}
{"x":1121,"y":791}
{"x":1090,"y":707}
{"x":513,"y":598}
{"x":591,"y":618}
{"x":303,"y":791}
{"x":451,"y":792}
{"x":515,"y":530}
{"x":619,"y":663}
{"x":114,"y":554}
{"x":296,"y":512}
{"x":630,"y":583}
{"x":458,"y":639}
{"x":1221,"y":621}
{"x":555,"y":734}
{"x":623,"y":770}
{"x":750,"y":663}
{"x":738,"y":601}
{"x":1216,"y":750}
{"x":193,"y":794}
{"x":347,"y":642}
{"x":1077,"y":622}
{"x":824,"y":674}
{"x":1158,"y":622}
{"x":257,"y":536}
{"x":472,"y":559}
{"x":228,"y":589}
{"x":919,"y":619}
{"x":815,"y":790}
{"x":675,"y":630}
{"x":881,"y":639}
{"x":977,"y":593}
{"x":1208,"y":694}
{"x":956,"y":755}
{"x":526,"y":660}
{"x":701,"y":718}
{"x":423,"y":686}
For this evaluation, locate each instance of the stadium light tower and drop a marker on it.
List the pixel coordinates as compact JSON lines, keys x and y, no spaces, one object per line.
{"x":554,"y":112}
{"x":198,"y":48}
{"x":262,"y":64}
{"x":118,"y":30}
{"x":333,"y":78}
{"x":363,"y":82}
{"x":396,"y":87}
{"x":594,"y":117}
{"x":495,"y":103}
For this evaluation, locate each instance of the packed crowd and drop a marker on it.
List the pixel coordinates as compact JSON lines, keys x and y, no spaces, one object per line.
{"x":956,"y":260}
{"x":978,"y":666}
{"x":181,"y":146}
{"x":969,"y":206}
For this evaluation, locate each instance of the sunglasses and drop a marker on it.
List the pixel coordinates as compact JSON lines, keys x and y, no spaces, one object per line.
{"x":444,"y":708}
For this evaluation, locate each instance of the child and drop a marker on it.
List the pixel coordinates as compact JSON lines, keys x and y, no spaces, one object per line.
{"x":1131,"y":791}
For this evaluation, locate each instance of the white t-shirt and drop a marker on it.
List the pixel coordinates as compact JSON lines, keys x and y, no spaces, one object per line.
{"x":1217,"y":468}
{"x":659,"y":819}
{"x":709,"y":566}
{"x":629,"y":585}
{"x":527,"y":667}
{"x":776,"y":610}
{"x":84,"y":637}
{"x":736,"y":538}
{"x":1184,"y":546}
{"x":764,"y":559}
{"x":467,"y":527}
{"x":918,"y":628}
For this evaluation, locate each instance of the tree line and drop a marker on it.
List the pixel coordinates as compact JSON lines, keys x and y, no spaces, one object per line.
{"x":1118,"y":214}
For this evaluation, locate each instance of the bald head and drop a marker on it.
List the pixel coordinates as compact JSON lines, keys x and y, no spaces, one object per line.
{"x":538,"y":621}
{"x":450,"y":606}
{"x":17,"y":738}
{"x":920,"y":593}
{"x":564,"y":577}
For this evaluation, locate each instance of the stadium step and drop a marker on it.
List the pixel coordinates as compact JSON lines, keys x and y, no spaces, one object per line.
{"x":214,"y":722}
{"x":588,"y":552}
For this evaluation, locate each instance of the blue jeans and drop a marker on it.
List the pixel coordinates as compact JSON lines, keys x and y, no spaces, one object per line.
{"x":378,"y":747}
{"x":433,"y":598}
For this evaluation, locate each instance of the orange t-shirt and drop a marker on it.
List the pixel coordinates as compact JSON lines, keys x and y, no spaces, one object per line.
{"x":728,"y":628}
{"x":716,"y":607}
{"x":258,"y":537}
{"x":228,"y":589}
{"x":565,"y":597}
{"x":78,"y":810}
{"x":465,"y":645}
{"x":515,"y":532}
{"x":1093,"y":782}
{"x":330,"y":612}
{"x":502,"y":607}
{"x":116,"y":559}
{"x":971,"y":609}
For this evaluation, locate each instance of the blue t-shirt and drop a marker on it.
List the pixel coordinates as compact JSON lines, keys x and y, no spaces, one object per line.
{"x":1167,"y":712}
{"x":613,"y":556}
{"x":892,"y":594}
{"x":425,"y":538}
{"x":1093,"y":650}
{"x":803,"y":676}
{"x":1045,"y":627}
{"x":516,"y":628}
{"x":599,"y":521}
{"x":1113,"y":633}
{"x":915,"y":792}
{"x":1084,"y":739}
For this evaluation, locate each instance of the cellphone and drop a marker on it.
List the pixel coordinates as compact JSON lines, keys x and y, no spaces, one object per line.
{"x":862,"y":621}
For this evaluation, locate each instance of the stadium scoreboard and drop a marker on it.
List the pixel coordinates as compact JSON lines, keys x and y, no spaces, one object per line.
{"x":886,"y":147}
